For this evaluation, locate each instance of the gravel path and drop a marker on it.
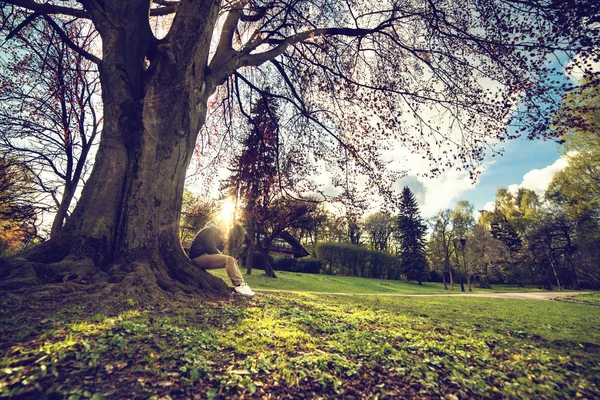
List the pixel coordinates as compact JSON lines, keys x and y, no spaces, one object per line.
{"x":523,"y":295}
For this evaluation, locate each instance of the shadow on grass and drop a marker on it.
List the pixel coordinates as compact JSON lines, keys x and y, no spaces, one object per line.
{"x":294,"y":346}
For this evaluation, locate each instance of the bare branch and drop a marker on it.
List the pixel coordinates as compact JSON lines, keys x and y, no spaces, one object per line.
{"x":65,"y":38}
{"x":162,"y":11}
{"x":22,"y":25}
{"x":48,"y":9}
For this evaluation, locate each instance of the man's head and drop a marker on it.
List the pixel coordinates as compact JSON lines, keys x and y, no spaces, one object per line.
{"x":221,"y":226}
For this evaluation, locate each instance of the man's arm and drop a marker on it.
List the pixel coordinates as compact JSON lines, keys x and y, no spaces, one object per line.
{"x":214,"y":243}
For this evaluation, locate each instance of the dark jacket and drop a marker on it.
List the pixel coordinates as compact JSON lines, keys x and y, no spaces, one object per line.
{"x":207,"y":241}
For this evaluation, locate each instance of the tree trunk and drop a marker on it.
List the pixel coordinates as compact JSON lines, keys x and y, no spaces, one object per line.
{"x":250,"y":250}
{"x":72,"y":182}
{"x":63,"y":209}
{"x":486,"y":277}
{"x":460,"y":275}
{"x":469,"y":287}
{"x":570,"y":250}
{"x":444,"y":279}
{"x":552,"y":265}
{"x":123,"y":234}
{"x":264,"y":251}
{"x":449,"y":268}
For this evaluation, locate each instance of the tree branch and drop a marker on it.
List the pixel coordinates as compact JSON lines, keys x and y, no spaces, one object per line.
{"x":162,"y":11}
{"x":224,"y":48}
{"x":65,"y":38}
{"x":22,"y":25}
{"x":48,"y":9}
{"x":255,"y":60}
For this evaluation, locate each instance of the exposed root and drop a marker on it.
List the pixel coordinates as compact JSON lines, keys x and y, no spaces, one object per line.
{"x":75,"y":278}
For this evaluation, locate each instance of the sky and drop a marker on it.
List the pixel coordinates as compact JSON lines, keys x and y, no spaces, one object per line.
{"x":525,"y":163}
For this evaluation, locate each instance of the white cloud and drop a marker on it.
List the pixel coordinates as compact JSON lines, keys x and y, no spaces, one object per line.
{"x":539,"y":179}
{"x":489,"y":206}
{"x":435,"y":194}
{"x":443,"y":191}
{"x":576,"y":72}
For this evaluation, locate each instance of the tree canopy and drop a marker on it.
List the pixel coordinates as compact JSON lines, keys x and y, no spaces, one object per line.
{"x":50,"y":114}
{"x":354,"y":79}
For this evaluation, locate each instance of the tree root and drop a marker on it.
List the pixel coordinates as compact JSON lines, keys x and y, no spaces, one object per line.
{"x":75,"y":277}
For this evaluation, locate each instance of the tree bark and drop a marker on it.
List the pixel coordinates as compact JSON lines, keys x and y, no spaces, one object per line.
{"x":444,"y":279}
{"x":63,"y":209}
{"x":264,"y":251}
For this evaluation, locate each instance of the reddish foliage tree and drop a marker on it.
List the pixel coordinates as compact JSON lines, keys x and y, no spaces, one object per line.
{"x":17,"y":212}
{"x":254,"y":180}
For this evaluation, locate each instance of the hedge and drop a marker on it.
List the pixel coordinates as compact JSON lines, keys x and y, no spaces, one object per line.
{"x":348,"y":259}
{"x":304,"y":265}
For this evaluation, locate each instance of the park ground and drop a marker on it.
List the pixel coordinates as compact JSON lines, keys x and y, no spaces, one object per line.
{"x":303,"y":345}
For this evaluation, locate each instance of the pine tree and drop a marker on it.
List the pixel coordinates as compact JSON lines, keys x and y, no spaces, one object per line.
{"x":411,"y":237}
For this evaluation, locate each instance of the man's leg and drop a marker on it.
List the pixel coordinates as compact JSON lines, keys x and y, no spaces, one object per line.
{"x":215,"y":261}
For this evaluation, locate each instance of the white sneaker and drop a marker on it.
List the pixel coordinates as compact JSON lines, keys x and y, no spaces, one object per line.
{"x":244,"y":289}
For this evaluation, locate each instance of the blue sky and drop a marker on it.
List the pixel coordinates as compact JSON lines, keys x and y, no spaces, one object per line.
{"x":521,"y":156}
{"x":525,"y":163}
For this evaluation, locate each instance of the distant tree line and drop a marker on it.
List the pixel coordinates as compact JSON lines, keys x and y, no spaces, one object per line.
{"x":527,"y":239}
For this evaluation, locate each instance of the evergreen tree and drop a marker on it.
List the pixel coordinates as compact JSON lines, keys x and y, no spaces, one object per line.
{"x":411,"y":237}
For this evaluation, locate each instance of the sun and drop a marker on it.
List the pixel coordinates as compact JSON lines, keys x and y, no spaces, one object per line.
{"x":227,"y":214}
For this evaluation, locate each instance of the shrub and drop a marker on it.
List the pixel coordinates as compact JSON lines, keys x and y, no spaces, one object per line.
{"x":304,"y":265}
{"x":258,"y":261}
{"x":348,"y":259}
{"x":286,"y":264}
{"x":309,"y":266}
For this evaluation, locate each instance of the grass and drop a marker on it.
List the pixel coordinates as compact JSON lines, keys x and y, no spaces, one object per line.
{"x":345,"y":284}
{"x":308,"y":345}
{"x":585,"y":298}
{"x":298,"y":345}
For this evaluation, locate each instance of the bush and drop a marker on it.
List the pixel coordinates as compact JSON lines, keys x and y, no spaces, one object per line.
{"x":309,"y":265}
{"x":348,"y":259}
{"x":304,"y":265}
{"x":286,"y":264}
{"x":258,"y":261}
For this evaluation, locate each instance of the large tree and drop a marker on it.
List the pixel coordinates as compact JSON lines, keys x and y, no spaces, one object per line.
{"x":575,"y":191}
{"x":379,"y":226}
{"x":462,"y":222}
{"x":440,"y":244}
{"x":486,"y":254}
{"x":356,"y":76}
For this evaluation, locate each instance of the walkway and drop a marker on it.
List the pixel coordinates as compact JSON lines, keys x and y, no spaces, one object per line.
{"x":507,"y":295}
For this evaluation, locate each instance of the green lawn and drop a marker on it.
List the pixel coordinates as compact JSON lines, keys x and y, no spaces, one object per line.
{"x":346,"y":284}
{"x":288,"y":345}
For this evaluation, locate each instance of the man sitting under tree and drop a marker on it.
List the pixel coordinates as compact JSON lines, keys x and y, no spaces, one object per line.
{"x":205,"y":252}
